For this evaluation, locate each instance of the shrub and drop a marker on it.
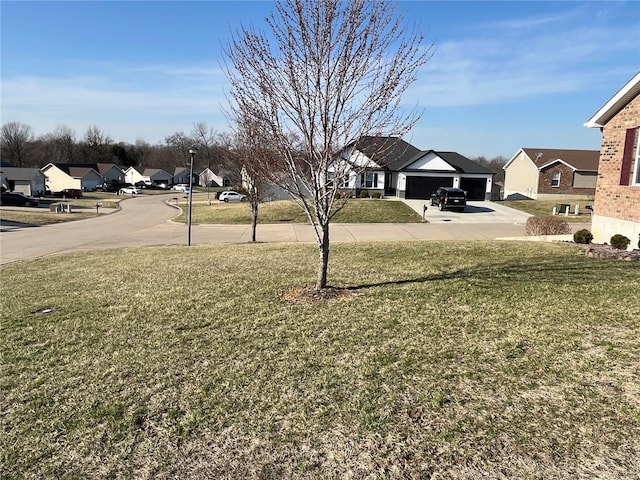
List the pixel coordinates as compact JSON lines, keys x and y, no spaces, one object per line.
{"x":364,"y":194}
{"x":583,"y":236}
{"x":620,"y":241}
{"x":546,"y":225}
{"x":375,"y":195}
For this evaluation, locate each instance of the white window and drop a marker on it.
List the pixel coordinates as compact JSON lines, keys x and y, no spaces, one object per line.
{"x":555,"y":179}
{"x":369,"y":180}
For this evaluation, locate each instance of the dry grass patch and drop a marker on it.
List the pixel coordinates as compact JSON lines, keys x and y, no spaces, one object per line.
{"x":444,"y":360}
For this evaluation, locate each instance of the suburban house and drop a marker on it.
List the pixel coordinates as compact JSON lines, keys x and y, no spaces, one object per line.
{"x":617,"y":198}
{"x":30,"y":181}
{"x":158,"y":176}
{"x":394,"y":167}
{"x":110,"y":172}
{"x":133,"y":176}
{"x":68,"y":175}
{"x":207,"y":178}
{"x":180,"y":175}
{"x":537,"y":173}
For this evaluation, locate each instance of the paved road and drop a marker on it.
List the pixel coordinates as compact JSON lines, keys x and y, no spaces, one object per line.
{"x":145,"y":220}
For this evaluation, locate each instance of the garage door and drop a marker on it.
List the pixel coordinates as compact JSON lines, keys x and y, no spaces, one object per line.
{"x":422,"y":187}
{"x":475,"y":187}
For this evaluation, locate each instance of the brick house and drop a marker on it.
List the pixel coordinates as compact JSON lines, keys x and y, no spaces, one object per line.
{"x":617,"y":198}
{"x":539,"y":173}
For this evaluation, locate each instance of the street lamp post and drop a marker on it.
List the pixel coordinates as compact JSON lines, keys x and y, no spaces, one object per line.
{"x":192,"y":154}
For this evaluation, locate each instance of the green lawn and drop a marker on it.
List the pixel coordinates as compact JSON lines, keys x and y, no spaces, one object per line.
{"x":437,"y":360}
{"x":545,"y":207}
{"x":356,"y":211}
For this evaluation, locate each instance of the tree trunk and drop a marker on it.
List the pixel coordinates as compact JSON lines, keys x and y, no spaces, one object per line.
{"x":254,"y":220}
{"x":323,"y":248}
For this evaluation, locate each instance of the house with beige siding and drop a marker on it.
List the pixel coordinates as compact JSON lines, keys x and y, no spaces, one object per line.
{"x":68,"y":175}
{"x":545,"y":173}
{"x":617,"y":198}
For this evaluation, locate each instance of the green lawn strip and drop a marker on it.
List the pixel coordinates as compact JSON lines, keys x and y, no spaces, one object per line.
{"x":284,"y":211}
{"x":443,"y":360}
{"x":42,"y":217}
{"x":545,"y":207}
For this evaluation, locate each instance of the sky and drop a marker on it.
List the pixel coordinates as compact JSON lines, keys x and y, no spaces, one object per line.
{"x":504,"y":75}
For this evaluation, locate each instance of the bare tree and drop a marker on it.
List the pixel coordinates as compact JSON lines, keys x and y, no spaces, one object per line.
{"x":96,"y":145}
{"x":15,"y":140}
{"x":180,"y":143}
{"x":59,"y":145}
{"x":205,"y":139}
{"x":251,"y":153}
{"x":329,"y":73}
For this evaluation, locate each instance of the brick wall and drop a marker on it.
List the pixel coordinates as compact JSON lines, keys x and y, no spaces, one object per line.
{"x":566,"y":182}
{"x":612,"y":199}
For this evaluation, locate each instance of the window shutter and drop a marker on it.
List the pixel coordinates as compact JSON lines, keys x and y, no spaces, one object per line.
{"x":627,"y":156}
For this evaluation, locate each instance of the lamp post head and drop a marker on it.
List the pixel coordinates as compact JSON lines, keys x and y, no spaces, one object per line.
{"x":193,"y":150}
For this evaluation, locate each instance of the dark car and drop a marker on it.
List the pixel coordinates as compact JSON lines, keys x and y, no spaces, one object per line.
{"x":69,"y":193}
{"x":449,"y":198}
{"x":18,"y":200}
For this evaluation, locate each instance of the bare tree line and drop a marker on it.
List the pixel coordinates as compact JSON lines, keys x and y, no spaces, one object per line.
{"x":21,"y":148}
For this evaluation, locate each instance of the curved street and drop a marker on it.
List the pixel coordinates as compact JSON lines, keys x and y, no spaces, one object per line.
{"x":146,"y":220}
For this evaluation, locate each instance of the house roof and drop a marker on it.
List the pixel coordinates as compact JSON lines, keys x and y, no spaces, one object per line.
{"x":616,"y":103}
{"x":387,"y":151}
{"x":100,"y":168}
{"x":79,"y":172}
{"x":18,"y":173}
{"x":584,"y":160}
{"x":461,"y":163}
{"x":152,"y":171}
{"x":75,"y":170}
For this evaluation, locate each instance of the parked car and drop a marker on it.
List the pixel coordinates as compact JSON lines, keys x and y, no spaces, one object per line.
{"x":449,"y":198}
{"x":180,"y":187}
{"x":69,"y":193}
{"x":18,"y":200}
{"x":128,"y":191}
{"x":231,"y":196}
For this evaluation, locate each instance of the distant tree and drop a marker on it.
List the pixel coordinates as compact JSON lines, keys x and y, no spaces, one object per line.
{"x":59,"y":145}
{"x":328,"y":73}
{"x":96,"y":146}
{"x":205,"y":138}
{"x":15,"y":141}
{"x":179,"y":144}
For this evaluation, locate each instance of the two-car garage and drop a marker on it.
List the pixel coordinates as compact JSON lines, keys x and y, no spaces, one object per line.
{"x":421,"y":187}
{"x":427,"y":171}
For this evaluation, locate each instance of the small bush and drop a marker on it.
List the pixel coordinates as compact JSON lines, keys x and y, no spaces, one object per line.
{"x":546,"y":225}
{"x":620,"y":241}
{"x":375,"y":195}
{"x":583,"y":236}
{"x":364,"y":194}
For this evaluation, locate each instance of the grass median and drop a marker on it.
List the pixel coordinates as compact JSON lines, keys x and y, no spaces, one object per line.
{"x":285,"y":211}
{"x":434,"y":360}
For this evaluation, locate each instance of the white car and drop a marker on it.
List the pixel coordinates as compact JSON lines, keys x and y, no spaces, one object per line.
{"x":180,"y":187}
{"x":231,"y":196}
{"x":128,"y":191}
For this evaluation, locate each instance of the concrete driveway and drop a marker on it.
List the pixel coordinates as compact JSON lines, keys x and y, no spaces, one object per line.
{"x":475,"y":212}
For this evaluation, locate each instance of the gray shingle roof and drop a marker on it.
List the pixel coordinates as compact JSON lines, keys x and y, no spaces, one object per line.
{"x":387,"y":152}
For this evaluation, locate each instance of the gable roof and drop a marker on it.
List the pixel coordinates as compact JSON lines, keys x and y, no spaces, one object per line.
{"x":20,"y":173}
{"x":461,"y":163}
{"x":584,"y":160}
{"x":100,"y":168}
{"x":387,"y":151}
{"x":616,"y":103}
